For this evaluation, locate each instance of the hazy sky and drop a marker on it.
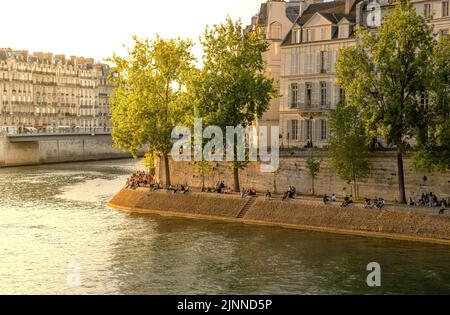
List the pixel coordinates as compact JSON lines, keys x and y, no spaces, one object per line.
{"x":97,"y":28}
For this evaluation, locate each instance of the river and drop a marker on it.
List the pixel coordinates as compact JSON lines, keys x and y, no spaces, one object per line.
{"x":58,"y":237}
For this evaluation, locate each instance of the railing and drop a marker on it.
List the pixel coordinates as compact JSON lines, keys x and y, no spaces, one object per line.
{"x":317,"y":107}
{"x":30,"y":131}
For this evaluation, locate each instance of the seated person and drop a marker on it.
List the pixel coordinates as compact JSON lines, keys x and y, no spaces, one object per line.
{"x":268,"y":195}
{"x":252,"y":192}
{"x":367,"y":203}
{"x":346,"y":202}
{"x":380,"y":204}
{"x":325,"y":199}
{"x":333,"y":198}
{"x":443,"y":206}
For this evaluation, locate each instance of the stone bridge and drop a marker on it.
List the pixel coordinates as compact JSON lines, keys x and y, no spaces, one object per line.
{"x":54,"y":147}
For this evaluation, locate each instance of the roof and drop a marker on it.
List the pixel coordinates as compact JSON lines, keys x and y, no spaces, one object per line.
{"x":333,"y":11}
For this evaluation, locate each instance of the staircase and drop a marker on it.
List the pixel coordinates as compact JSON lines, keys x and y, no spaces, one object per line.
{"x":246,"y":207}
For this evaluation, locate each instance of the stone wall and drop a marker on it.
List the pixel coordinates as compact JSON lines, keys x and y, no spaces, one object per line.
{"x":56,"y":151}
{"x":298,"y":214}
{"x":381,"y":183}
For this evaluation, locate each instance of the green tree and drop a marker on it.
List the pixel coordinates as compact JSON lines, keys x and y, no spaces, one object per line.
{"x":149,"y":162}
{"x":384,"y":74}
{"x":231,"y":89}
{"x":348,"y":145}
{"x":313,"y":167}
{"x":203,"y":169}
{"x":432,"y":152}
{"x":147,"y":101}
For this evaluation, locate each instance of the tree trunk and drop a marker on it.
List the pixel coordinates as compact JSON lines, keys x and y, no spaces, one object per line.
{"x":275,"y":183}
{"x":167,"y":170}
{"x":236,"y":180}
{"x":355,"y":188}
{"x":312,"y":184}
{"x":401,"y":177}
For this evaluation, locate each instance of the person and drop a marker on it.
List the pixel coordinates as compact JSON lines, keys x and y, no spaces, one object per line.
{"x":443,"y":206}
{"x":334,"y":198}
{"x":252,"y":192}
{"x":285,"y":195}
{"x":268,"y":195}
{"x":411,"y":202}
{"x":325,"y":200}
{"x":367,"y":203}
{"x":346,"y":202}
{"x":243,"y":192}
{"x":380,"y":204}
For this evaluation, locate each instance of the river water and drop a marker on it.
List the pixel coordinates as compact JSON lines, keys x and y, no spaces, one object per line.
{"x":58,"y":237}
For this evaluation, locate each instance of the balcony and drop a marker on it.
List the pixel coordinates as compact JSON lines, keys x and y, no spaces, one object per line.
{"x":308,"y":110}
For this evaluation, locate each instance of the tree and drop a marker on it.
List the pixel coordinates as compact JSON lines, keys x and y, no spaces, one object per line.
{"x":313,"y":167}
{"x":149,"y":162}
{"x":147,"y":101}
{"x":203,"y":169}
{"x":432,"y":152}
{"x":384,"y":75}
{"x":348,"y":145}
{"x":232,"y":89}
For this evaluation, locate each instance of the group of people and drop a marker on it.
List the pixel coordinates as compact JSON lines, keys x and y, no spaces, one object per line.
{"x":429,"y":200}
{"x":290,"y":193}
{"x":248,"y":192}
{"x":377,"y":203}
{"x":139,"y":179}
{"x":179,"y":188}
{"x":220,"y":188}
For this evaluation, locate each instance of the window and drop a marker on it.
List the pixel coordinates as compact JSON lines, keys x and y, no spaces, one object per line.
{"x":308,"y":94}
{"x":294,"y":95}
{"x":322,"y":33}
{"x":427,"y":10}
{"x":444,"y":8}
{"x":323,"y":93}
{"x":309,"y":130}
{"x":294,"y":130}
{"x":323,"y":130}
{"x":323,"y":62}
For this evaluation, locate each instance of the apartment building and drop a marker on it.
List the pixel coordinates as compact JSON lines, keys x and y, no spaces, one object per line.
{"x":308,"y":56}
{"x":45,"y":91}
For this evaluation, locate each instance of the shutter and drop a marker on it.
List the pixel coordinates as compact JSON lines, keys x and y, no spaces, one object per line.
{"x":302,"y":130}
{"x":318,"y":62}
{"x":317,"y":122}
{"x":302,"y":88}
{"x":329,"y":61}
{"x":329,"y":92}
{"x":289,"y":129}
{"x":316,"y":94}
{"x":289,"y":96}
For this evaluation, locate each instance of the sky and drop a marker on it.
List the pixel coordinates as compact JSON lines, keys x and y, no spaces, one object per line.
{"x":97,"y":28}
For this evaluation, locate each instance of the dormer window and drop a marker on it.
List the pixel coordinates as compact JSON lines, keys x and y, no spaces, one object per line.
{"x":296,"y":36}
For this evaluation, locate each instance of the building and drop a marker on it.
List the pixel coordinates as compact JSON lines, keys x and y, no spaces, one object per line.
{"x":275,"y":19}
{"x":308,"y":55}
{"x":42,"y":91}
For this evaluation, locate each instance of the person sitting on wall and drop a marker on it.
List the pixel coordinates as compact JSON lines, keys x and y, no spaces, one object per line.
{"x":243,"y":192}
{"x":380,"y":204}
{"x":333,"y":198}
{"x":326,"y":200}
{"x":252,"y":192}
{"x":346,"y":202}
{"x":292,"y":192}
{"x":185,"y":189}
{"x":411,"y":202}
{"x":285,"y":195}
{"x":268,"y":195}
{"x":444,"y":206}
{"x":367,"y":203}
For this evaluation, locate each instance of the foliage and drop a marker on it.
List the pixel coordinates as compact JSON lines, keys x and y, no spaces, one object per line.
{"x":147,"y":101}
{"x":385,"y":76}
{"x":231,"y":89}
{"x":348,"y":145}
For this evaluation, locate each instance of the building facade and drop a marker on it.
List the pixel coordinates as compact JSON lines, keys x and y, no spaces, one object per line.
{"x":42,"y":91}
{"x":308,"y":55}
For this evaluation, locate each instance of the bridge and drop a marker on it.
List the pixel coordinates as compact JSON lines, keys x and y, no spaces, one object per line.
{"x":59,"y":134}
{"x":31,"y":147}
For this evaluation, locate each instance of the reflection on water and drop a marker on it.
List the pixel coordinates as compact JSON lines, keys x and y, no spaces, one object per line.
{"x":53,"y":218}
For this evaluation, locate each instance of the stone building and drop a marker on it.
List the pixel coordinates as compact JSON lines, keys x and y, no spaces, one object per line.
{"x":275,"y":19}
{"x":45,"y":91}
{"x":304,"y":59}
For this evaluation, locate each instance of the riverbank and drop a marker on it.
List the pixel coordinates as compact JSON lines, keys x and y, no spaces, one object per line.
{"x":295,"y":214}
